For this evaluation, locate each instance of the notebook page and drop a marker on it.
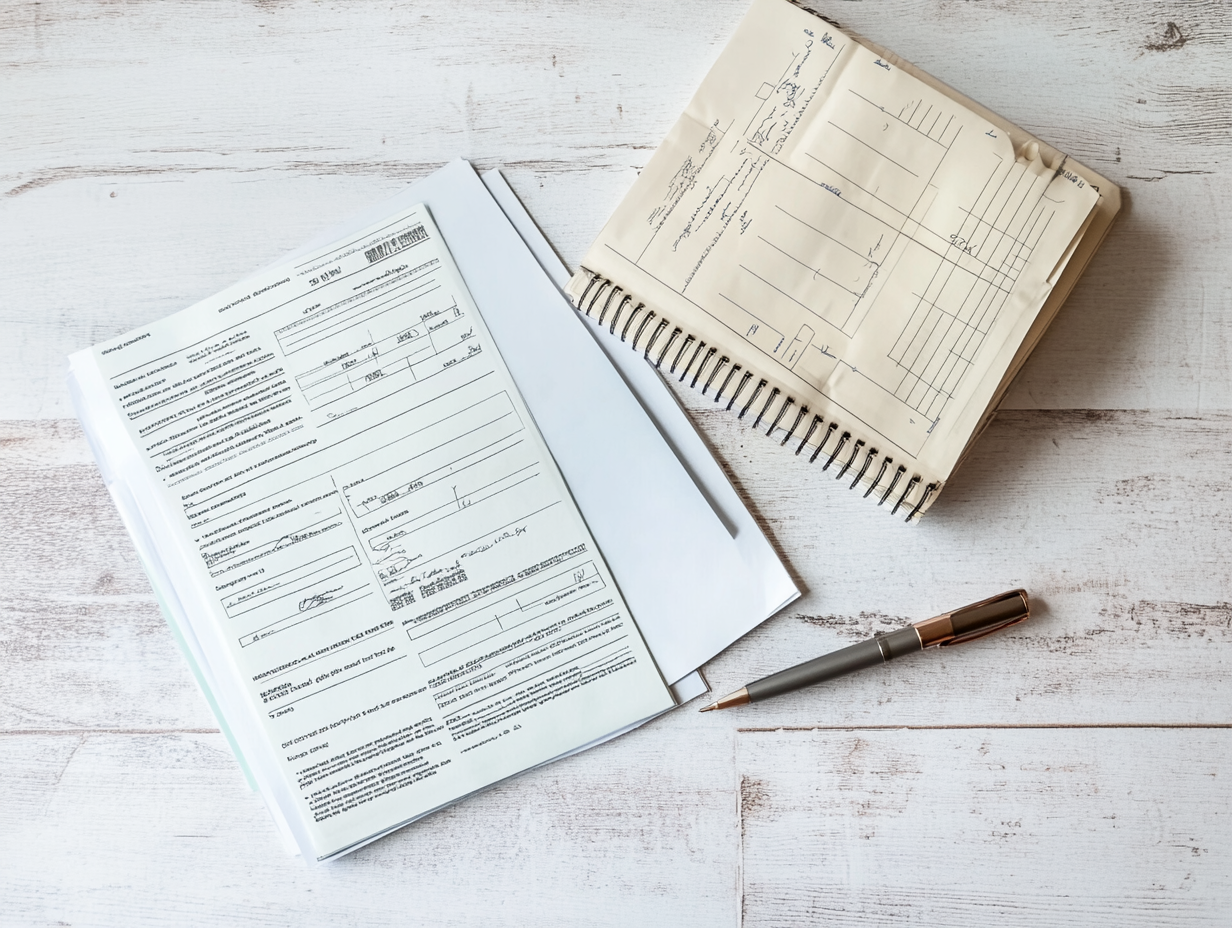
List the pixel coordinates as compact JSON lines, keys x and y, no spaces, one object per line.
{"x":381,"y":553}
{"x":836,"y":224}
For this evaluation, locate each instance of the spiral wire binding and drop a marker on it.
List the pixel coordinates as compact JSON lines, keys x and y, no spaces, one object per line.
{"x":690,"y":348}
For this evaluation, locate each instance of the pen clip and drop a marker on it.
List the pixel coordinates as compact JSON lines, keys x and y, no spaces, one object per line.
{"x":975,"y":621}
{"x":971,"y":636}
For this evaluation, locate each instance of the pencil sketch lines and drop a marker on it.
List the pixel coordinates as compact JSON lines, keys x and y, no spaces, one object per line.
{"x":964,"y":297}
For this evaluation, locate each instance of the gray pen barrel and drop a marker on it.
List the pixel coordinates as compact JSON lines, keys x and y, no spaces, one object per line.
{"x":838,"y":663}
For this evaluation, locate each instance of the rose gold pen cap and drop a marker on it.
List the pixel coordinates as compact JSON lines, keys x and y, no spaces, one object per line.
{"x":975,"y":621}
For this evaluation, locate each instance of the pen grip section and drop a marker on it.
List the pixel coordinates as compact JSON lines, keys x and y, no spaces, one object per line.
{"x":837,"y":664}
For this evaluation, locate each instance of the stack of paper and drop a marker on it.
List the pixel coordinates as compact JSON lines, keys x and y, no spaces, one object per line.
{"x":368,"y":556}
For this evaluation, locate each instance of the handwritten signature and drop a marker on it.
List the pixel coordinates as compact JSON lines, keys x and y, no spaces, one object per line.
{"x":514,"y":533}
{"x":318,"y":599}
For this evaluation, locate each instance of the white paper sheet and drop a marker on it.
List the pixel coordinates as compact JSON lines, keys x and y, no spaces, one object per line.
{"x":694,"y":583}
{"x":762,"y":584}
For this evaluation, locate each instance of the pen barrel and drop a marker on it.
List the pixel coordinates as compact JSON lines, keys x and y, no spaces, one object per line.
{"x":837,"y":664}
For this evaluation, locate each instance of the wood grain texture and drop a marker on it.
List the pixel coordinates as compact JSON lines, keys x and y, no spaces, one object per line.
{"x":82,"y":642}
{"x":1064,"y":827}
{"x":158,"y":152}
{"x":1117,"y":522}
{"x":107,"y":829}
{"x":155,"y":153}
{"x":1081,"y":509}
{"x":98,"y":709}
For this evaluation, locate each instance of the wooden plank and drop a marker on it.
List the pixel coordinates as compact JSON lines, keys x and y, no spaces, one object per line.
{"x":288,"y":87}
{"x":156,"y":829}
{"x":244,"y":129}
{"x":1116,"y":523}
{"x":82,"y":641}
{"x":1147,"y":327}
{"x":1007,"y":827}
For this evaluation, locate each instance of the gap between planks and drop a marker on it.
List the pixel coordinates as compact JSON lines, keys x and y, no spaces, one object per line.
{"x":974,"y":726}
{"x":769,"y":729}
{"x":75,"y":732}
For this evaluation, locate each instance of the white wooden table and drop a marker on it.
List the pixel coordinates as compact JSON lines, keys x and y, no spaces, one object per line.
{"x":1074,"y":771}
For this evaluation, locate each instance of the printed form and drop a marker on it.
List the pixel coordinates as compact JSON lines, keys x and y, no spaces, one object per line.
{"x":398,"y":575}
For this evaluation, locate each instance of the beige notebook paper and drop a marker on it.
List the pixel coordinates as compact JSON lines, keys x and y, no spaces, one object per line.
{"x":844,"y":252}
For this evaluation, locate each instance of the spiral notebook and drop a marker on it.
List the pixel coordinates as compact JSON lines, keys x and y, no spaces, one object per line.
{"x":845,"y":253}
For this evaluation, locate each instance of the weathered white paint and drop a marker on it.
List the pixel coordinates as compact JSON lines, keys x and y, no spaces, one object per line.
{"x":1118,"y":523}
{"x":1122,"y":546}
{"x":132,"y":829}
{"x":155,"y":153}
{"x":1118,"y":828}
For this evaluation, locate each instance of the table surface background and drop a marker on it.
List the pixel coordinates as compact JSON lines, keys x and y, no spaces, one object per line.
{"x":1073,"y":770}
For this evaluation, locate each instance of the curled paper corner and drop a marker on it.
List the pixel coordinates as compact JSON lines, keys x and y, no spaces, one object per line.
{"x":1040,"y":158}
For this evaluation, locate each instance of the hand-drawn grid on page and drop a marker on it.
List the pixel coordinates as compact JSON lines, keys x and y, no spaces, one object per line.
{"x":843,"y":227}
{"x":868,"y":204}
{"x":965,"y":294}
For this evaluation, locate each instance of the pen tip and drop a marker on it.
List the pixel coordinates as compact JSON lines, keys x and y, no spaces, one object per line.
{"x":738,"y":698}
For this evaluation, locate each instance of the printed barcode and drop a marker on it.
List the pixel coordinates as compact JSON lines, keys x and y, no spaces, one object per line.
{"x":397,"y":243}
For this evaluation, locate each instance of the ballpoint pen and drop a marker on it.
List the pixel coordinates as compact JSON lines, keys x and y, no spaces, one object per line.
{"x":965,"y":624}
